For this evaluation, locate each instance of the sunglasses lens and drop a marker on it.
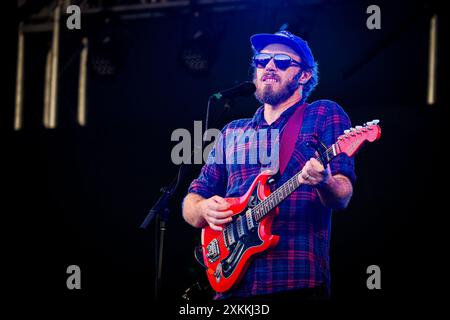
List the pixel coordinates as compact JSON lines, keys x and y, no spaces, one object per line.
{"x":282,"y":61}
{"x":261,"y":60}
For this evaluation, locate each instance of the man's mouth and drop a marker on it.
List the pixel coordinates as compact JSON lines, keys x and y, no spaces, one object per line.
{"x":269,"y":79}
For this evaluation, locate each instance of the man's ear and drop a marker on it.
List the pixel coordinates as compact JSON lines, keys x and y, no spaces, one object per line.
{"x":304,"y":77}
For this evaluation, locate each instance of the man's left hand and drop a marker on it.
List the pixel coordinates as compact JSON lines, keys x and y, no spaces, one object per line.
{"x":314,"y":174}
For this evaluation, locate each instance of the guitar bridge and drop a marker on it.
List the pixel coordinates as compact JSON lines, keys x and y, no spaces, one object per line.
{"x":212,"y":251}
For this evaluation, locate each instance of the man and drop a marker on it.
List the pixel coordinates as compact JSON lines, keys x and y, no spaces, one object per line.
{"x":285,"y":73}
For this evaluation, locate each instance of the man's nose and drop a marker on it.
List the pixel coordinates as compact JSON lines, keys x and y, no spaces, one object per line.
{"x":271,"y":65}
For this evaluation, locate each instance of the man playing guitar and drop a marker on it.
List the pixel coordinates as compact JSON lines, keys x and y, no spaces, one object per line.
{"x":297,"y":267}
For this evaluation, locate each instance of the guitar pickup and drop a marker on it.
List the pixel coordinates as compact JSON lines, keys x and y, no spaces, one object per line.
{"x":229,"y":235}
{"x":240,"y":227}
{"x":250,"y":221}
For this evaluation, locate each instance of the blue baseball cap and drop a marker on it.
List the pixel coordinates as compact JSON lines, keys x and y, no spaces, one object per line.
{"x":261,"y":40}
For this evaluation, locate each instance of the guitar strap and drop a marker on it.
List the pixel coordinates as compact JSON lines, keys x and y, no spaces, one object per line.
{"x":290,"y":136}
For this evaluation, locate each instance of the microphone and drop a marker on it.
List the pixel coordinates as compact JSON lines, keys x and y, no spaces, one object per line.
{"x":244,"y":89}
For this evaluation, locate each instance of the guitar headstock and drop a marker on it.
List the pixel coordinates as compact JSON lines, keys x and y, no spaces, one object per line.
{"x":352,"y":140}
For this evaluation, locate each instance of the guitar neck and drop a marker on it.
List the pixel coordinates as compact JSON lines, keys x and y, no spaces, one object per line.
{"x":274,"y":199}
{"x":348,"y":143}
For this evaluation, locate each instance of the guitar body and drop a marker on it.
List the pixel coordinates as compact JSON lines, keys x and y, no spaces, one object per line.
{"x":228,"y":253}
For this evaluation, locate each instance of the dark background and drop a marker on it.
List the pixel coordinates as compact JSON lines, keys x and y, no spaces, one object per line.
{"x":77,"y":195}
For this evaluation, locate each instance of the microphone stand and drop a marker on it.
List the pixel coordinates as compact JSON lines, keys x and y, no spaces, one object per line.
{"x":160,"y":210}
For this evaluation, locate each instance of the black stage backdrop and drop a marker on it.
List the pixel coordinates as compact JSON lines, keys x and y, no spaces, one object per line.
{"x":77,"y":195}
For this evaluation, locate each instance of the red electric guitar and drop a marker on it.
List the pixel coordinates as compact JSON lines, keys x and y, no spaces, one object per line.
{"x":226,"y":254}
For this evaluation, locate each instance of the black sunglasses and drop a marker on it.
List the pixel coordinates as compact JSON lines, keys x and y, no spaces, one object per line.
{"x":282,"y":61}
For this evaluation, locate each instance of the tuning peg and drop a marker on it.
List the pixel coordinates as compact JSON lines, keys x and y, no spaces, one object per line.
{"x":370,"y":123}
{"x":352,"y":129}
{"x":347,"y":131}
{"x":375,"y":121}
{"x":358,"y":129}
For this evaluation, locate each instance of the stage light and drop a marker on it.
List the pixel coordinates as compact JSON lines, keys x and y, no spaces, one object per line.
{"x":104,"y":54}
{"x":195,"y":55}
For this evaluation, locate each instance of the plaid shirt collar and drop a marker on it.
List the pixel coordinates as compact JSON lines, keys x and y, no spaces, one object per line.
{"x":258,"y":119}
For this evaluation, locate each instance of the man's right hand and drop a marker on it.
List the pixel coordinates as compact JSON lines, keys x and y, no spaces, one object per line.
{"x":214,"y":211}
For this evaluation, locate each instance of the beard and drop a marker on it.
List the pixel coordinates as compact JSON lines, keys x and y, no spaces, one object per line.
{"x":266,"y":93}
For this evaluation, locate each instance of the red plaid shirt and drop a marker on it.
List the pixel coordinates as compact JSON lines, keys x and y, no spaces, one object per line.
{"x":301,"y":258}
